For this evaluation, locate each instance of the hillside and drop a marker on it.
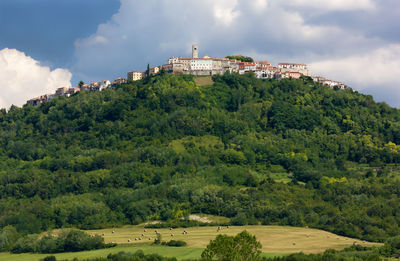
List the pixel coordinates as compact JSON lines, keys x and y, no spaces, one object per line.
{"x":288,"y":152}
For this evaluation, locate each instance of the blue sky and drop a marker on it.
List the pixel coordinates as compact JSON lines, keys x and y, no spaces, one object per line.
{"x":47,"y":29}
{"x":45,"y":44}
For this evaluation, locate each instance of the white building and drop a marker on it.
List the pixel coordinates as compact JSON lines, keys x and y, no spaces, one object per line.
{"x":294,"y":67}
{"x":201,"y":64}
{"x":154,"y":70}
{"x":264,"y":74}
{"x":103,"y":85}
{"x":135,"y":76}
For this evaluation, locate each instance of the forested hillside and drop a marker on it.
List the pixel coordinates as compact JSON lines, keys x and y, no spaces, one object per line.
{"x":289,"y":152}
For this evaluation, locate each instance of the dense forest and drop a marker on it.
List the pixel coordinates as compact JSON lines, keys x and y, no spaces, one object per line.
{"x":289,"y":152}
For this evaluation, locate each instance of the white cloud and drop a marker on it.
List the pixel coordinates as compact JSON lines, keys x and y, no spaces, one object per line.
{"x":334,"y":5}
{"x":94,"y":40}
{"x":23,"y":78}
{"x":224,"y":11}
{"x":374,"y":72}
{"x":259,"y":5}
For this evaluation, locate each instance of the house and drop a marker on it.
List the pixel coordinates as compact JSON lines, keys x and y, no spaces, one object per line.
{"x":71,"y":91}
{"x":262,"y":65}
{"x":201,"y":64}
{"x":154,"y":70}
{"x":61,"y":91}
{"x":34,"y":101}
{"x":168,"y":68}
{"x":103,"y":85}
{"x":85,"y":87}
{"x":328,"y":82}
{"x":135,"y":76}
{"x":294,"y":67}
{"x":119,"y":80}
{"x":245,"y":67}
{"x":291,"y":75}
{"x":265,"y":74}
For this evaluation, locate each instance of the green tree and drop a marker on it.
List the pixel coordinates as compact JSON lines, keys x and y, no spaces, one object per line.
{"x":147,"y":74}
{"x":242,"y":247}
{"x":8,"y":237}
{"x":241,"y":58}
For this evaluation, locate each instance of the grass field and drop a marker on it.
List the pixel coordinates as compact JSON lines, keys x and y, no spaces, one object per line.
{"x":203,"y":80}
{"x":276,"y":240}
{"x":180,"y":253}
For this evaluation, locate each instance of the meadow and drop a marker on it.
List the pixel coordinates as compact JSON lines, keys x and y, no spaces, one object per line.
{"x":276,"y":241}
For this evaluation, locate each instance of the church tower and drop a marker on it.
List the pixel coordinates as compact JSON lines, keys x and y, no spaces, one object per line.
{"x":195,"y":51}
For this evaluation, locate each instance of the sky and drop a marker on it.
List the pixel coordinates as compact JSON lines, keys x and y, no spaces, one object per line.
{"x":46,"y":44}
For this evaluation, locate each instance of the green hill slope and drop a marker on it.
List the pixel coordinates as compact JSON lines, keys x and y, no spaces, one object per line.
{"x":163,"y":148}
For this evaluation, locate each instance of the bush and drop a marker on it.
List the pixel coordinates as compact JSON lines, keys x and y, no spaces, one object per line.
{"x":176,"y":243}
{"x":67,"y":241}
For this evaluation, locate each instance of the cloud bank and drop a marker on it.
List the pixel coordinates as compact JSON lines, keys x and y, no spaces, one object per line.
{"x":23,"y":78}
{"x":376,"y":72}
{"x":337,"y":37}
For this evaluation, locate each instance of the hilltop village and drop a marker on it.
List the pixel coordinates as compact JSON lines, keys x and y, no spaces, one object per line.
{"x":205,"y":66}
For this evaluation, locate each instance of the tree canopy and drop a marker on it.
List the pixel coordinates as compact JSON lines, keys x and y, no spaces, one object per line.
{"x":241,"y":58}
{"x":289,"y":152}
{"x":242,"y":247}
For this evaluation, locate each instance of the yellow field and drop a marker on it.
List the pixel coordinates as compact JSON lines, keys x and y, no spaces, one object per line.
{"x":274,"y":239}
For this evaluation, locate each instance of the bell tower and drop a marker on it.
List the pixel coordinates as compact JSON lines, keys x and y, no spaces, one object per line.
{"x":195,"y":51}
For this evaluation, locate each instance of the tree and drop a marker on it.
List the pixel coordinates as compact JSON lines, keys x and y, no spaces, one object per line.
{"x":240,"y":58}
{"x":80,"y":84}
{"x":243,"y":246}
{"x":147,"y":74}
{"x":8,"y":236}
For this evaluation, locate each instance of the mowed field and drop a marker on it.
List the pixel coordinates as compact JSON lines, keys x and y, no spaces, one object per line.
{"x":276,"y":241}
